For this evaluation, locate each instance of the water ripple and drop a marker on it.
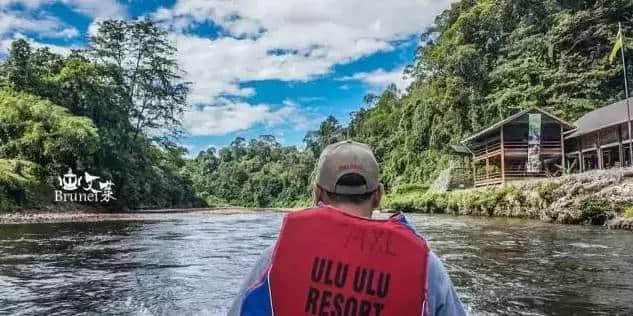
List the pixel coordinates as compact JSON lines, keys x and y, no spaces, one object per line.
{"x":183,"y":265}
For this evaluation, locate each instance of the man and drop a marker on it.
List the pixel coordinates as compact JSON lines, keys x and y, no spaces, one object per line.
{"x":334,"y":259}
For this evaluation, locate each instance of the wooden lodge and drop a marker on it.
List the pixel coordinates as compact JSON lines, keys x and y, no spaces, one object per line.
{"x":507,"y":150}
{"x":601,"y":139}
{"x":534,"y":143}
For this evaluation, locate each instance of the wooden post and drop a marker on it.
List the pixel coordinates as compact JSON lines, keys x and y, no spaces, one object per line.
{"x":580,"y":155}
{"x":599,"y":151}
{"x":503,"y":158}
{"x":579,"y":161}
{"x":486,"y":145}
{"x":629,"y":141}
{"x":562,"y":149}
{"x":620,"y":148}
{"x":487,"y":168}
{"x":487,"y":161}
{"x":474,"y":171}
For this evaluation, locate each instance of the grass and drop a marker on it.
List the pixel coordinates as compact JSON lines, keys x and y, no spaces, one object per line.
{"x":629,"y":212}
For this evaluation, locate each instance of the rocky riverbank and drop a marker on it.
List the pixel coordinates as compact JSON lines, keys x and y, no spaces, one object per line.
{"x":596,"y":197}
{"x":621,"y":223}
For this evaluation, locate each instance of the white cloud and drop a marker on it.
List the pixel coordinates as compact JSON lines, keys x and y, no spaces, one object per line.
{"x":101,"y":9}
{"x":11,"y":22}
{"x":29,"y":4}
{"x":289,"y":40}
{"x":230,"y":117}
{"x":217,"y":67}
{"x":379,"y":78}
{"x":93,"y":8}
{"x":35,"y":19}
{"x":312,"y":99}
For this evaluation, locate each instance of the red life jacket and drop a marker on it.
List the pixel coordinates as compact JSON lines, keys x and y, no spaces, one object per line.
{"x":327,"y":262}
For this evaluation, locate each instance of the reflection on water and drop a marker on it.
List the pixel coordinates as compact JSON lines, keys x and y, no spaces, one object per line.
{"x":194,"y":265}
{"x":509,"y":267}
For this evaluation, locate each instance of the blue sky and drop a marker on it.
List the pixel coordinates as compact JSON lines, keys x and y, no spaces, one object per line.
{"x":258,"y":67}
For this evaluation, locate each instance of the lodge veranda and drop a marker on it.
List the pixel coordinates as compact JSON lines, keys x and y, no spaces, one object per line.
{"x":535,"y":144}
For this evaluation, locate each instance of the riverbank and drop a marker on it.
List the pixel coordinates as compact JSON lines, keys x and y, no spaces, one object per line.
{"x":598,"y":197}
{"x":91,"y":216}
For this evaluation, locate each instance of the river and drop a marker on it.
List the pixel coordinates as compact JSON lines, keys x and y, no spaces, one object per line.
{"x":181,"y":264}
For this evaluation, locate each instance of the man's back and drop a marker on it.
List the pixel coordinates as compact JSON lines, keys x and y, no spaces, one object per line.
{"x":329,"y":262}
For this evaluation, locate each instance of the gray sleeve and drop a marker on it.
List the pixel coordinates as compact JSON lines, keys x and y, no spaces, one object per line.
{"x":443,"y":300}
{"x":255,"y":275}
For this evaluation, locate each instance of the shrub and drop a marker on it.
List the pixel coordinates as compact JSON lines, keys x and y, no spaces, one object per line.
{"x":213,"y":201}
{"x":6,"y":204}
{"x":21,"y":183}
{"x":592,"y":206}
{"x":629,"y":212}
{"x":547,"y":190}
{"x":506,"y":199}
{"x":410,"y":188}
{"x":35,"y":129}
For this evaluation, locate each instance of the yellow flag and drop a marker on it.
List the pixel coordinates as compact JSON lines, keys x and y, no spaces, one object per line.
{"x":619,"y":42}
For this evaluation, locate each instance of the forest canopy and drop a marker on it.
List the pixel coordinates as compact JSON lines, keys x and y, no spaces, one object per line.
{"x":481,"y":61}
{"x":95,"y":110}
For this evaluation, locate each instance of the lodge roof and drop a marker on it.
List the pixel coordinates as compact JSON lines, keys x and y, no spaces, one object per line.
{"x":600,"y":118}
{"x":497,"y":125}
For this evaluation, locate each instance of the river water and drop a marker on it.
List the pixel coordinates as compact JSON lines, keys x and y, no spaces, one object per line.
{"x":183,"y":264}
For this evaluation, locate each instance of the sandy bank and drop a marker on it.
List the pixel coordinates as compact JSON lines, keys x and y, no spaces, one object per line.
{"x":79,"y":216}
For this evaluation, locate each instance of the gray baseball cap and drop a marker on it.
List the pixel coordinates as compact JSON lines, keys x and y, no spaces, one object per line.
{"x":347,"y":157}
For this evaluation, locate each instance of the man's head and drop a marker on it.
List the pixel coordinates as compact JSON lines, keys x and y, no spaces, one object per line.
{"x":347,"y":177}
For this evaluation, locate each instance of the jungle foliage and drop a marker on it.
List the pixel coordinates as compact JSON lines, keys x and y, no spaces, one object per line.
{"x":98,"y":111}
{"x":484,"y":60}
{"x":260,"y":173}
{"x":481,"y":61}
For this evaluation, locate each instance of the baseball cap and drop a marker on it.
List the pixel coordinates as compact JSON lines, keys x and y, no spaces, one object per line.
{"x":347,"y":157}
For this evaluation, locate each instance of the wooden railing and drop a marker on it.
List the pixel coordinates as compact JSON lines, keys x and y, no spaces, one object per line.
{"x":508,"y":144}
{"x":523,"y":174}
{"x":491,"y":148}
{"x":482,"y":177}
{"x":488,"y":181}
{"x":515,"y":148}
{"x":495,"y":178}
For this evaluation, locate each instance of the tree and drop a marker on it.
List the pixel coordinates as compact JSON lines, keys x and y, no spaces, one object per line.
{"x":17,"y":67}
{"x":39,"y":131}
{"x":483,"y":60}
{"x":329,"y":131}
{"x":128,"y":86}
{"x":260,"y":173}
{"x":138,"y":60}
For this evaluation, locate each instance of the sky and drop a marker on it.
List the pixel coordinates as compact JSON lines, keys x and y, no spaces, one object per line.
{"x":275,"y":67}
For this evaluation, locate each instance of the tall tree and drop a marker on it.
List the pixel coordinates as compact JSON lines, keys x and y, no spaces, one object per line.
{"x":138,"y":59}
{"x":329,"y":131}
{"x":17,"y":67}
{"x":129,"y":86}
